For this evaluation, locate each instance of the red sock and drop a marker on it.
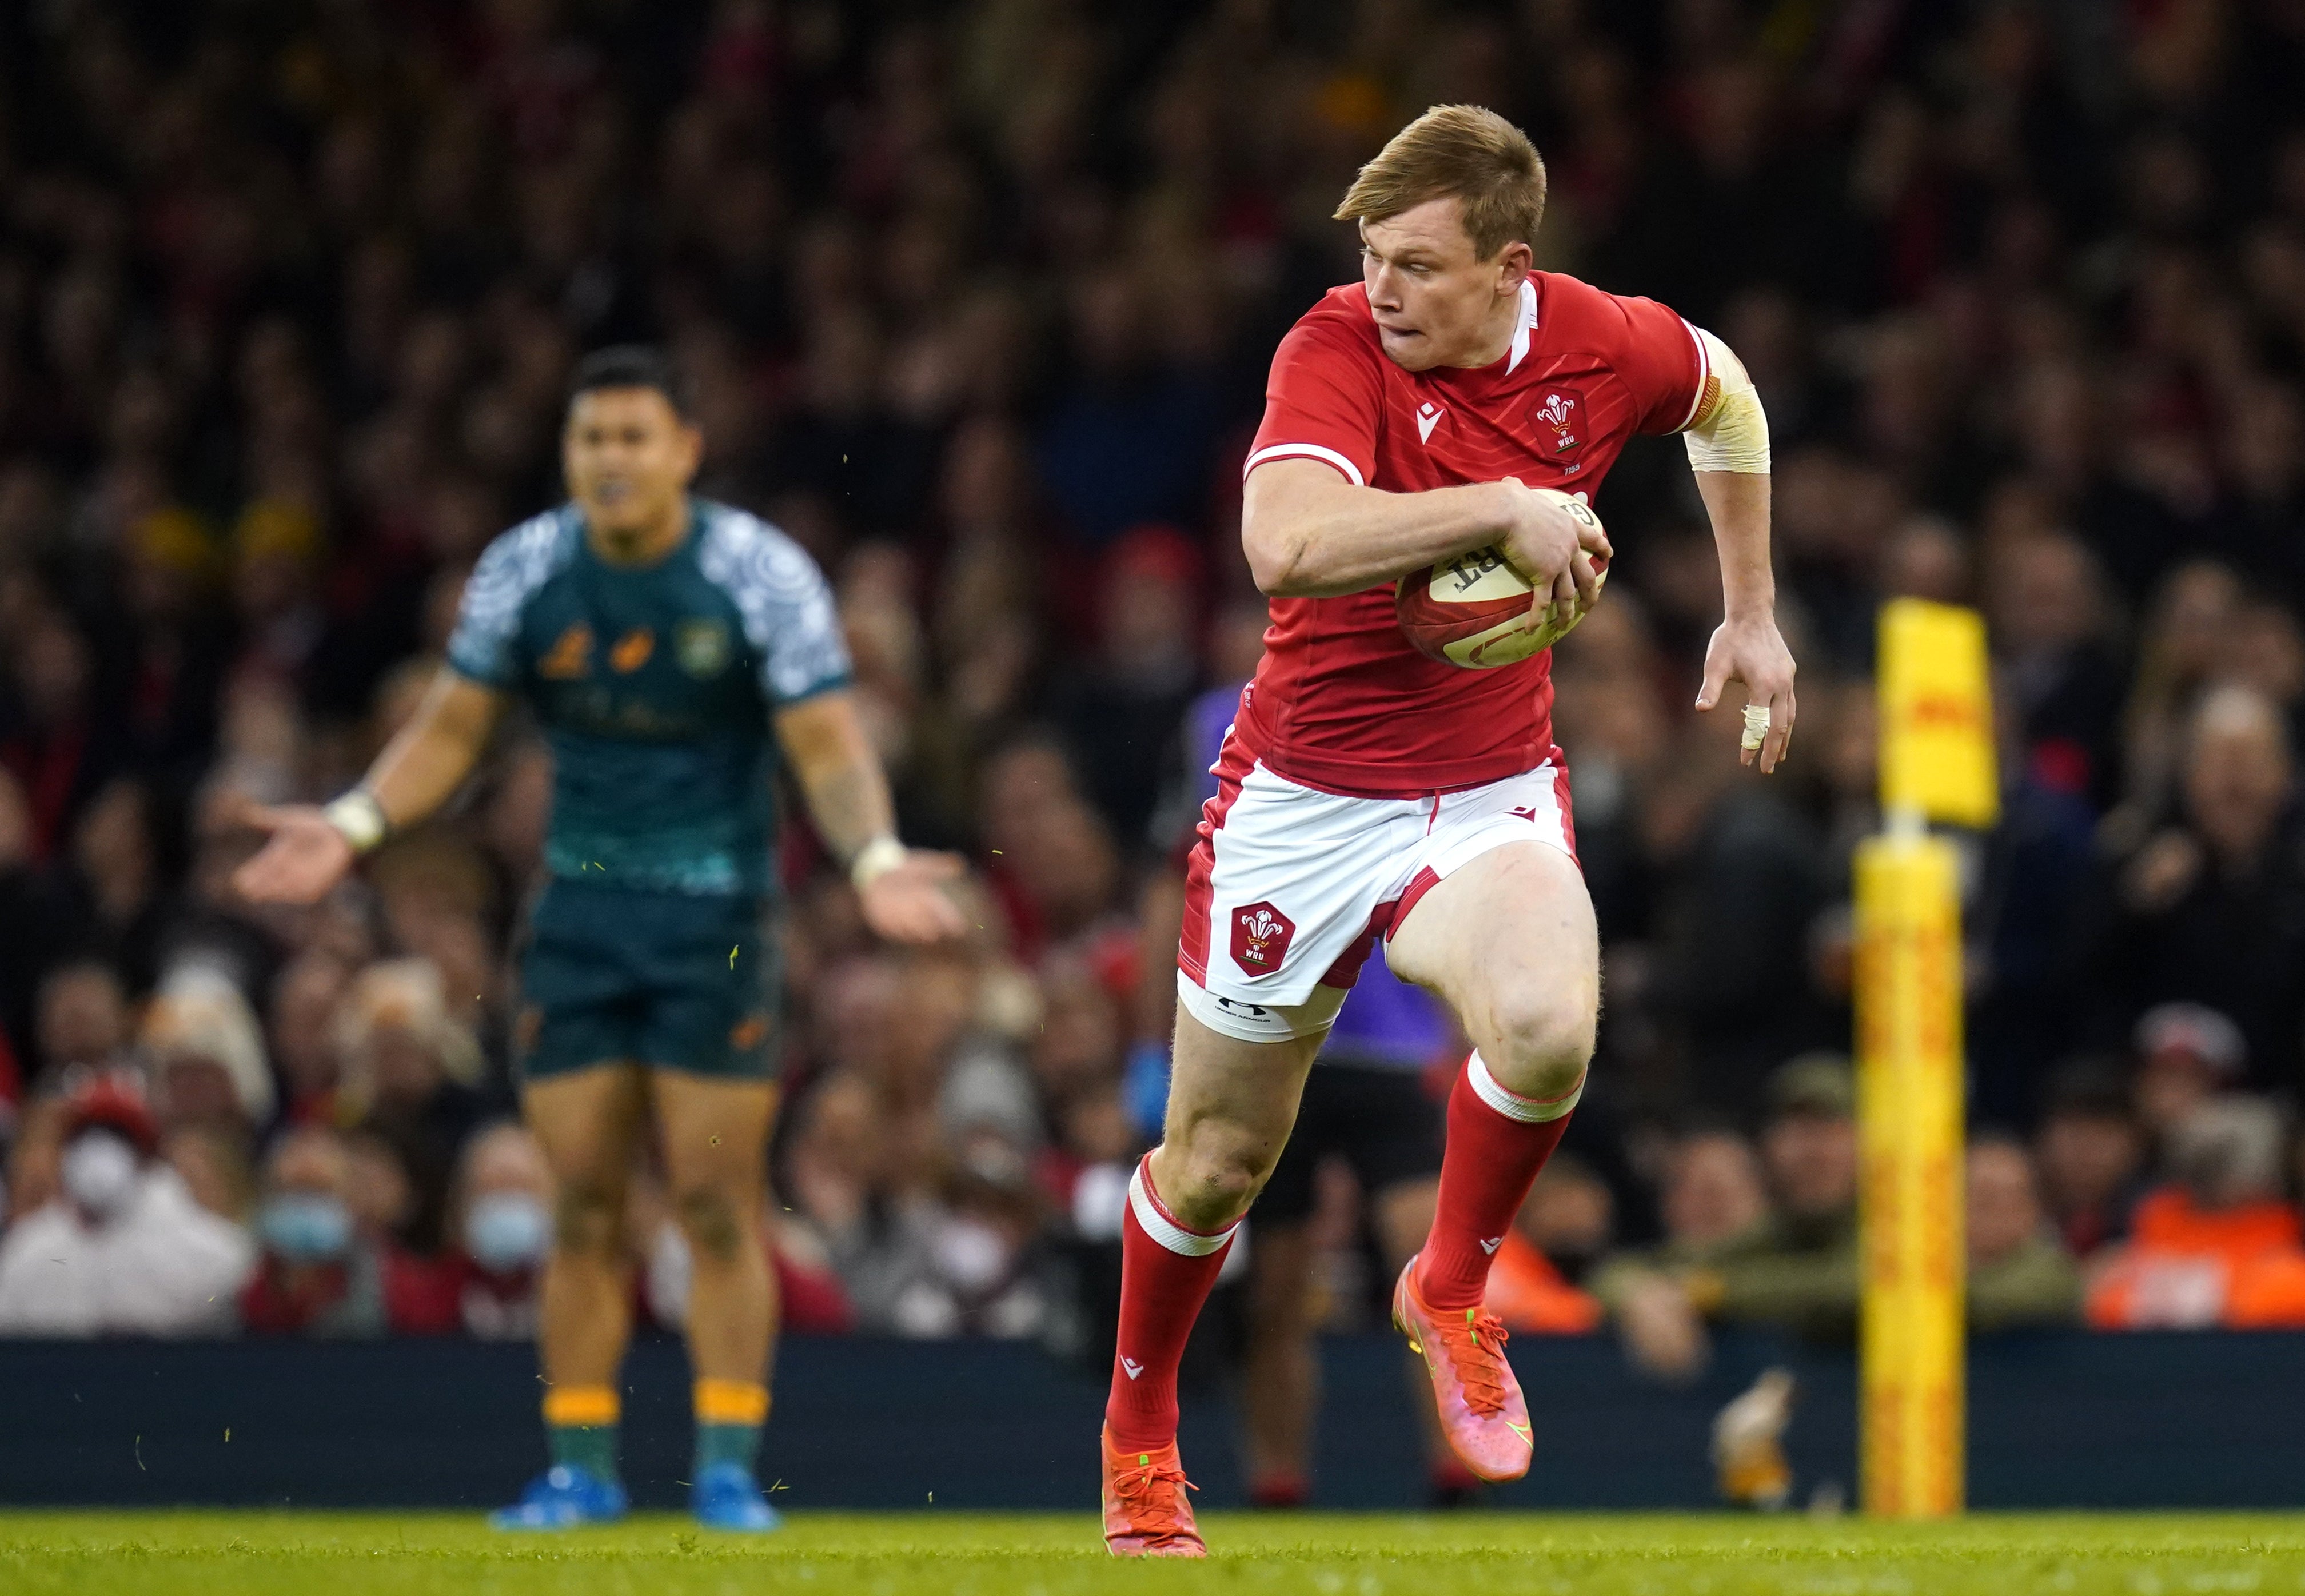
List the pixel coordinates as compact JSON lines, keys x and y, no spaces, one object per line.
{"x":1166,"y":1271}
{"x":1498,"y":1141}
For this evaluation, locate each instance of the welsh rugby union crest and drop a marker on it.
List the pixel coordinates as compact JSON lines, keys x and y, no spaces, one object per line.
{"x":1558,"y":420}
{"x":1260,"y":934}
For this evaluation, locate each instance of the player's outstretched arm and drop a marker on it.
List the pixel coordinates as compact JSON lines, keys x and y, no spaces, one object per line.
{"x":1308,"y":533}
{"x":310,"y":847}
{"x":1729,"y":449}
{"x":901,"y":889}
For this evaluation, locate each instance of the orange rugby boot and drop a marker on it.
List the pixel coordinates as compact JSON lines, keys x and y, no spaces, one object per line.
{"x":1482,"y":1412}
{"x":1145,"y":1513}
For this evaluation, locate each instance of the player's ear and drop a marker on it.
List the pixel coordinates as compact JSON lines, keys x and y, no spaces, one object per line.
{"x":1515,"y":262}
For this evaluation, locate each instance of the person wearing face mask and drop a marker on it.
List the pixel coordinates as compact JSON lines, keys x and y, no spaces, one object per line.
{"x":500,"y":1228}
{"x":122,"y":1249}
{"x":322,"y":1273}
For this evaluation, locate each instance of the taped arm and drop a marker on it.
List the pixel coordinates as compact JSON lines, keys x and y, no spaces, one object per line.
{"x":1730,"y":431}
{"x":1728,"y":443}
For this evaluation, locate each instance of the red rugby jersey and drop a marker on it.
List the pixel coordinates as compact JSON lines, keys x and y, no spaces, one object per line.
{"x":1341,"y":701}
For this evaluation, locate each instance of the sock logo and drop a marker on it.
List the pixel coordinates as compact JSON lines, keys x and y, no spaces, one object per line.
{"x":1132,"y":1366}
{"x":1492,"y":1244}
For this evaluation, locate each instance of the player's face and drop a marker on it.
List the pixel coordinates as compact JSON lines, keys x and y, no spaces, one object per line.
{"x":1436,"y":303}
{"x":628,"y":458}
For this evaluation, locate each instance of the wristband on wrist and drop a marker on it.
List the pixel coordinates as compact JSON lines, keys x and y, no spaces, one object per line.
{"x":875,"y":859}
{"x":360,"y":817}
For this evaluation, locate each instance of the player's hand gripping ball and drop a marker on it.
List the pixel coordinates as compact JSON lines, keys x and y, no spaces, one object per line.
{"x":1477,"y":612}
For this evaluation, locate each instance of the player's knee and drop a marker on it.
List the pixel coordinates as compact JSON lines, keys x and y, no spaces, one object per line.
{"x":588,"y":1217}
{"x":1548,"y":1041}
{"x":1220,"y":1168}
{"x":713,"y":1221}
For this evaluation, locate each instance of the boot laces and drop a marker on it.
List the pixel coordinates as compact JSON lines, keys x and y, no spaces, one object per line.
{"x":1150,"y":1493}
{"x":1477,"y":1348}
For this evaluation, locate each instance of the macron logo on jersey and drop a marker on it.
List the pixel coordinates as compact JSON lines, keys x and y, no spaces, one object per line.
{"x":1428,"y":416}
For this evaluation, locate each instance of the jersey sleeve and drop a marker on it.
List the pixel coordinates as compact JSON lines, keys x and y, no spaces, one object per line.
{"x":508,"y":573}
{"x":1659,"y":358}
{"x":1323,"y":401}
{"x":785,"y":606}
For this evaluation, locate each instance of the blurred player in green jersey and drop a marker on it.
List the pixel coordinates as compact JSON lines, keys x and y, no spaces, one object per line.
{"x":670,"y":648}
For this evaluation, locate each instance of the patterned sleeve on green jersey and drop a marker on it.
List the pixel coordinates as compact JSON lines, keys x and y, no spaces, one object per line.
{"x":787,"y":610}
{"x":508,"y":574}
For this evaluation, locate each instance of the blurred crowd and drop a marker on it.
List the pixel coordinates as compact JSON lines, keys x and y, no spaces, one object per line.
{"x":977,"y":297}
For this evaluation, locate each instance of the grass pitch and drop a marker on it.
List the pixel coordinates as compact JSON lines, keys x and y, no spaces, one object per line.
{"x":824,"y":1554}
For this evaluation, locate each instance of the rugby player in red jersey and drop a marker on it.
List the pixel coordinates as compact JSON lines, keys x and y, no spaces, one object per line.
{"x":1367,"y":790}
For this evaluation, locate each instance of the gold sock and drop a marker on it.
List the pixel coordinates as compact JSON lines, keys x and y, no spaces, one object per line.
{"x":731,"y":1402}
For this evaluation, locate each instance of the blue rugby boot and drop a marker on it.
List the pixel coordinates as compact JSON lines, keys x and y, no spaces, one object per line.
{"x":727,"y":1496}
{"x":563,"y":1498}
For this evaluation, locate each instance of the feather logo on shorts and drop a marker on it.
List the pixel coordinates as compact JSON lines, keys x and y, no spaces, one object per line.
{"x":1260,"y":937}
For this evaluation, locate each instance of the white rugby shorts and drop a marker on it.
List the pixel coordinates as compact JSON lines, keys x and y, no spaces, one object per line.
{"x":1288,"y":887}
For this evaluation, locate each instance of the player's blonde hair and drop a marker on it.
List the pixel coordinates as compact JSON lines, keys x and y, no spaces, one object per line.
{"x":1466,"y":150}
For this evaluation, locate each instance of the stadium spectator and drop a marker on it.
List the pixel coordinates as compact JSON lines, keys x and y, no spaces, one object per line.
{"x":214,"y":1166}
{"x":204,"y":1055}
{"x":410,"y":1072}
{"x":1740,"y":881}
{"x":83,"y":1018}
{"x":2019,"y":1274}
{"x":122,"y":1248}
{"x":1799,"y":1271}
{"x":2187,"y":1054}
{"x":304,"y":999}
{"x":2205,"y":911}
{"x":2181,"y":649}
{"x":2091,"y":1153}
{"x":52,"y":739}
{"x":500,"y":1226}
{"x":869,"y":1227}
{"x":322,"y":1274}
{"x":2215,"y":1245}
{"x":1119,"y":716}
{"x":1714,"y":1194}
{"x":2047,"y":606}
{"x":113,"y":883}
{"x":1794,"y":1270}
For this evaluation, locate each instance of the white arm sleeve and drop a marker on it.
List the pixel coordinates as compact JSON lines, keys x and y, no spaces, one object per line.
{"x":1730,"y":432}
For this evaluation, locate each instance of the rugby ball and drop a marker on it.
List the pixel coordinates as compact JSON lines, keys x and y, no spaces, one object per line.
{"x":1476,"y":611}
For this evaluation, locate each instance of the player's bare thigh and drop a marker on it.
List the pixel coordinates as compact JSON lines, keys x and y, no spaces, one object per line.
{"x":1231,"y":1106}
{"x":1507,"y":940}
